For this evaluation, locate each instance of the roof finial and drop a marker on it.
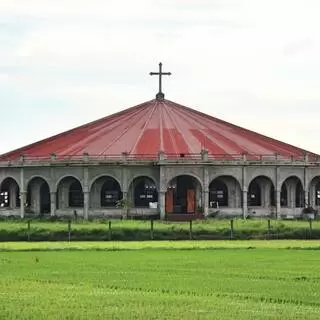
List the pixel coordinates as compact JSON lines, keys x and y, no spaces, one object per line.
{"x":160,"y":94}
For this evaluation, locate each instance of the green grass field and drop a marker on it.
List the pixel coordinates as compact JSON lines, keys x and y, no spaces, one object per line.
{"x":17,"y":230}
{"x":159,"y":280}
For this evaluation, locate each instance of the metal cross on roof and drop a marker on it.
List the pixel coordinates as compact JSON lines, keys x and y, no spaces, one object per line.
{"x":160,"y":95}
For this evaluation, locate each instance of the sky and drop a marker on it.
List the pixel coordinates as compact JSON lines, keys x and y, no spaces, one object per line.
{"x":254,"y":63}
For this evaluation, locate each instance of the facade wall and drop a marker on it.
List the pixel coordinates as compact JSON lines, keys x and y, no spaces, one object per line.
{"x":237,"y":179}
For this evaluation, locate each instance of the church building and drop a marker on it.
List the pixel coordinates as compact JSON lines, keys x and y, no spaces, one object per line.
{"x":159,"y":158}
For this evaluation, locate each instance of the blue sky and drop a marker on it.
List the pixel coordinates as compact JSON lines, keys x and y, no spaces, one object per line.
{"x":254,"y":63}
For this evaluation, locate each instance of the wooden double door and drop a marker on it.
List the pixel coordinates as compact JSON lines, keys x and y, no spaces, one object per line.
{"x":180,"y":202}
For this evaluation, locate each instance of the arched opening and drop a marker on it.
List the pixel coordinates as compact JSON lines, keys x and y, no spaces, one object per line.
{"x":254,"y":194}
{"x":45,"y":198}
{"x":38,"y":196}
{"x":183,"y":195}
{"x":314,"y":192}
{"x":9,"y":194}
{"x":218,"y":194}
{"x":144,"y":192}
{"x":299,"y":195}
{"x":69,"y":193}
{"x":284,"y":196}
{"x":292,"y":193}
{"x":110,"y":193}
{"x":317,"y":194}
{"x":105,"y":192}
{"x":75,"y":195}
{"x":261,"y":192}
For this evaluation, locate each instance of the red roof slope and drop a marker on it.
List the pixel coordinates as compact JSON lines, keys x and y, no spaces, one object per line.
{"x":153,"y":126}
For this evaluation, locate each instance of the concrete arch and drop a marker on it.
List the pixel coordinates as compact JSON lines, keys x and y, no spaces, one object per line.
{"x":225,"y":175}
{"x":312,"y":179}
{"x":313,"y":191}
{"x":185,"y":174}
{"x":261,"y":176}
{"x":283,"y":179}
{"x":67,"y":176}
{"x":10,"y":177}
{"x":289,"y":177}
{"x":141,"y":176}
{"x":40,"y":177}
{"x":93,"y":180}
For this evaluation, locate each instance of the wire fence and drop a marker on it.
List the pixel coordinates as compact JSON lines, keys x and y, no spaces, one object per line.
{"x":128,"y":230}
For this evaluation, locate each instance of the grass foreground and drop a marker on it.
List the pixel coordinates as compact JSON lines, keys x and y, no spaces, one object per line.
{"x":160,"y":280}
{"x":162,"y":245}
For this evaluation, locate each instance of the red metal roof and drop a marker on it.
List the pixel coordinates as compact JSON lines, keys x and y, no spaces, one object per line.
{"x":153,"y":126}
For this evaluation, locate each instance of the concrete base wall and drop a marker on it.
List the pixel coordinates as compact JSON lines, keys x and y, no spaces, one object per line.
{"x":9,"y":212}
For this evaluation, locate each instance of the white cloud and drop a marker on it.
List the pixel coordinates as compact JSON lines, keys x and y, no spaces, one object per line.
{"x":251,"y":62}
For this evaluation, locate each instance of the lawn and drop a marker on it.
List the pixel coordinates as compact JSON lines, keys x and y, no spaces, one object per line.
{"x":159,"y":280}
{"x":17,"y":230}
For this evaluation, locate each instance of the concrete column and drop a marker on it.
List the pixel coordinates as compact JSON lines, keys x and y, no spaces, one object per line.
{"x":22,"y":202}
{"x":162,"y":204}
{"x":306,"y":198}
{"x":124,"y":181}
{"x":86,"y":200}
{"x":86,"y":193}
{"x":306,"y":184}
{"x":199,"y":196}
{"x":278,"y":203}
{"x":244,"y":193}
{"x":22,"y":194}
{"x":162,"y":193}
{"x":278,"y":191}
{"x":206,"y":203}
{"x":53,"y":201}
{"x":245,"y":203}
{"x":312,"y":197}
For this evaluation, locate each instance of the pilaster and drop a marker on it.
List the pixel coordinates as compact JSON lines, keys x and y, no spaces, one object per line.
{"x":162,"y":192}
{"x":23,"y":196}
{"x":244,"y":193}
{"x":306,"y":185}
{"x":124,"y":181}
{"x":53,"y":200}
{"x":22,"y":193}
{"x":205,"y":202}
{"x":86,"y":195}
{"x":162,"y":205}
{"x":278,"y":193}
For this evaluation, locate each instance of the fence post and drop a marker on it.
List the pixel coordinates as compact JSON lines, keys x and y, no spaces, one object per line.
{"x":29,"y":231}
{"x":190,"y":230}
{"x":310,"y":228}
{"x":269,"y":227}
{"x":110,"y":231}
{"x":151,"y":229}
{"x":69,"y":230}
{"x":231,"y":229}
